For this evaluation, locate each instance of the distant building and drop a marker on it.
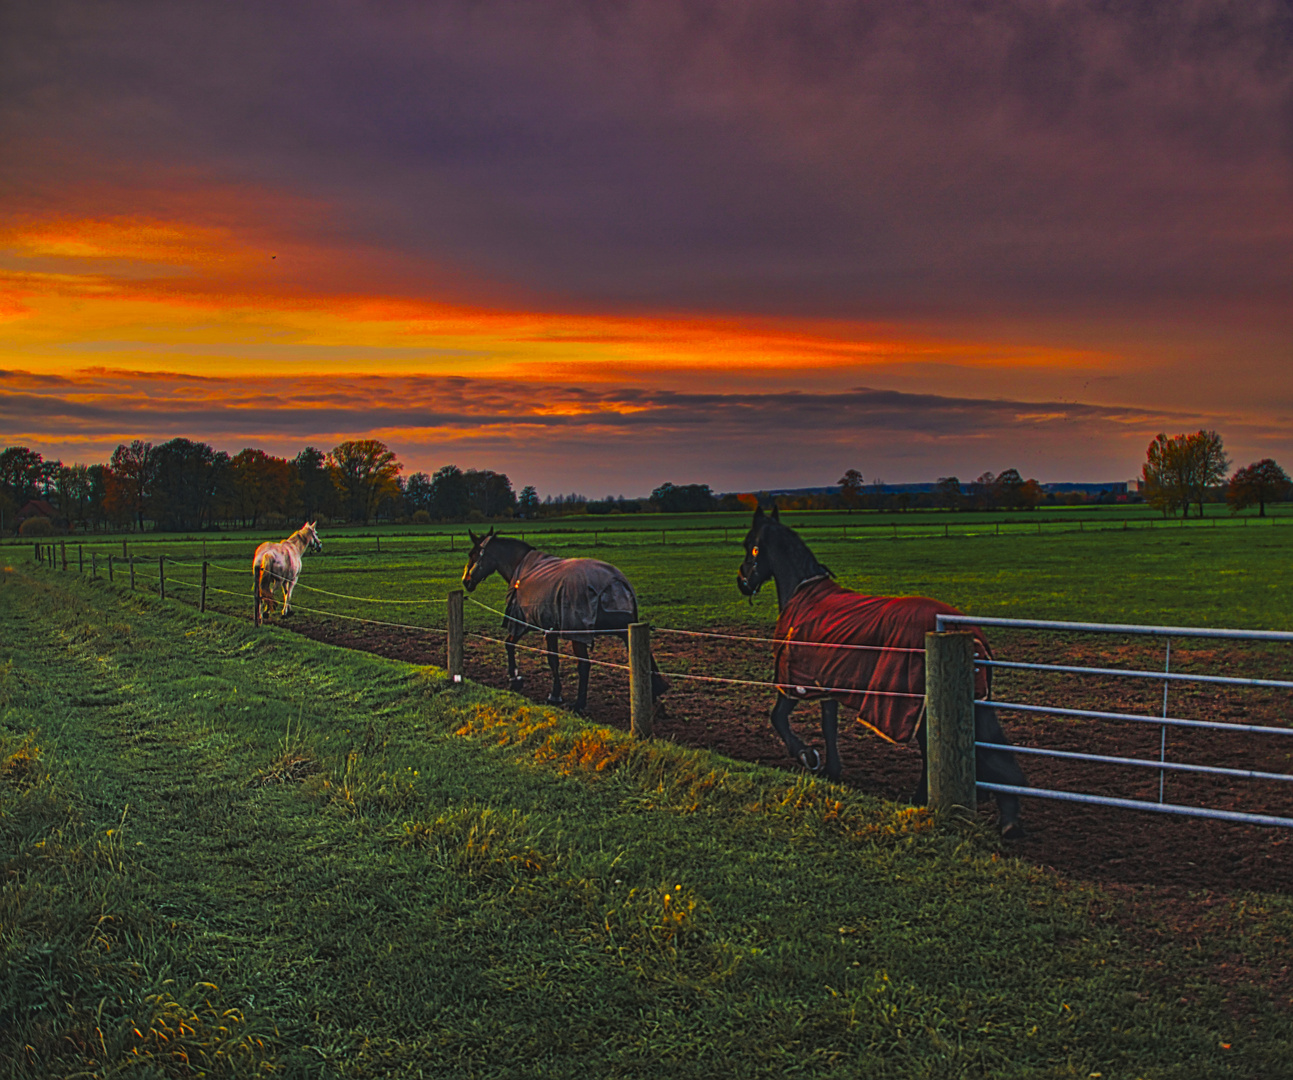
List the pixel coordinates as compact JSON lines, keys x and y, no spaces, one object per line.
{"x":40,"y":508}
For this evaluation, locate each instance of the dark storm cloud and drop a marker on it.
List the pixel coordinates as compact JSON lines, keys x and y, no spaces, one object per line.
{"x":839,"y":158}
{"x":614,"y":439}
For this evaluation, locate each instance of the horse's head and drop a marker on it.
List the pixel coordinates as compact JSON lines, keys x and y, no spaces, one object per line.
{"x":310,"y":534}
{"x":757,"y":567}
{"x":479,"y":562}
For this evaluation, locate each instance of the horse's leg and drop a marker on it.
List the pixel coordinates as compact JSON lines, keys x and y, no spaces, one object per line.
{"x":514,"y":679}
{"x":659,"y":684}
{"x":993,"y":766}
{"x":807,"y":757}
{"x":921,"y":795}
{"x":554,"y":662}
{"x":998,"y":767}
{"x":830,"y":731}
{"x":581,"y":654}
{"x":288,"y":585}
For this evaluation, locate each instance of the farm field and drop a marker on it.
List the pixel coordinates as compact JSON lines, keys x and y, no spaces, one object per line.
{"x":245,"y":852}
{"x":385,"y":593}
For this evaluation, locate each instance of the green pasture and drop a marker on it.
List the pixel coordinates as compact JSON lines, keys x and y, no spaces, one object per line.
{"x":1102,"y":564}
{"x":231,"y":852}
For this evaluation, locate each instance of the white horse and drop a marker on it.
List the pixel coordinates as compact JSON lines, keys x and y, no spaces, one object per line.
{"x":280,"y":564}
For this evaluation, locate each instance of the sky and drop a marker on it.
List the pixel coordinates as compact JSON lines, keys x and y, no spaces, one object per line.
{"x":602,"y":246}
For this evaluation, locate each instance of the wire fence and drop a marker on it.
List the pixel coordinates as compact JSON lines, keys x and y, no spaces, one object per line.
{"x":343,"y":544}
{"x":233,"y":601}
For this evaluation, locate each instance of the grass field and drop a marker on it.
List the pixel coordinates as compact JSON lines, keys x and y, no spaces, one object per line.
{"x":269,"y":856}
{"x":1115,"y":564}
{"x":240,"y":853}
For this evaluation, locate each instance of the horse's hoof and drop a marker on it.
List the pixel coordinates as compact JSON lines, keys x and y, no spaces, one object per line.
{"x":1012,"y":830}
{"x":813,"y":763}
{"x":515,"y":685}
{"x":556,"y":699}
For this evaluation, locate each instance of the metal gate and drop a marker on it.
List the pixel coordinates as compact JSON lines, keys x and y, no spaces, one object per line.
{"x":1167,"y":677}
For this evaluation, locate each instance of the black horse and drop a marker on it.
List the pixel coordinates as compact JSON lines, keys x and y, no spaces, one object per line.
{"x":576,"y":599}
{"x":873,"y":644}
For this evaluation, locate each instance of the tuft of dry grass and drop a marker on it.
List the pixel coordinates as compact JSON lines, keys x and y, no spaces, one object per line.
{"x":480,"y":843}
{"x":22,"y":767}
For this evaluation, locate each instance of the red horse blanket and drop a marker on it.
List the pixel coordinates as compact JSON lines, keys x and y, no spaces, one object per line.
{"x":885,"y":681}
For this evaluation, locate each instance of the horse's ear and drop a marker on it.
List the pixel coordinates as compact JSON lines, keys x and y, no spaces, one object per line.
{"x":491,"y":530}
{"x":776,"y":513}
{"x":758,"y":514}
{"x":474,"y":538}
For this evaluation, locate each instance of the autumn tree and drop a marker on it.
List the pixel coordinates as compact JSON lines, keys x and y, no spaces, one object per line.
{"x":683,"y":498}
{"x":316,"y":491}
{"x":188,"y":477}
{"x":261,"y":484}
{"x":80,"y":490}
{"x":984,"y":491}
{"x":133,"y":469}
{"x":490,"y":492}
{"x":450,"y":497}
{"x":417,"y":493}
{"x":1178,"y":471}
{"x":21,"y":473}
{"x":851,"y":489}
{"x":947,"y":492}
{"x":363,"y":471}
{"x":527,"y":506}
{"x":1259,"y":483}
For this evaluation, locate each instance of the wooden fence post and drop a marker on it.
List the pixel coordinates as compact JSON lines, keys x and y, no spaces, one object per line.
{"x":94,"y":564}
{"x":62,"y":545}
{"x":110,"y":568}
{"x":124,"y":553}
{"x":202,"y":605}
{"x":80,"y":558}
{"x":949,"y":712}
{"x":130,"y":559}
{"x":161,"y":576}
{"x":641,"y":708}
{"x":455,"y":636}
{"x":255,"y":603}
{"x":36,"y":549}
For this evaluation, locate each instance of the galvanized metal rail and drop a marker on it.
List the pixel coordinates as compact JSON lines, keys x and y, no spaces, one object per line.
{"x":1167,"y":677}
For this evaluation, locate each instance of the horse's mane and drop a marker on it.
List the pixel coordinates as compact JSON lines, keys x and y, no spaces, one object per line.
{"x":497,"y":537}
{"x":800,"y":560}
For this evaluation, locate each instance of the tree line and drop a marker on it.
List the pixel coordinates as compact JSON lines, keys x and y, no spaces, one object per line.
{"x":1186,"y":470}
{"x":183,"y":485}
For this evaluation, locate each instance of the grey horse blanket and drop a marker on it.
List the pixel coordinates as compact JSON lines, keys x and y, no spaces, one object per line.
{"x":567,"y":595}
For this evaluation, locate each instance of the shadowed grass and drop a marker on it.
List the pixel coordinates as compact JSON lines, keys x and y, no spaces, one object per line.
{"x":243,"y":853}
